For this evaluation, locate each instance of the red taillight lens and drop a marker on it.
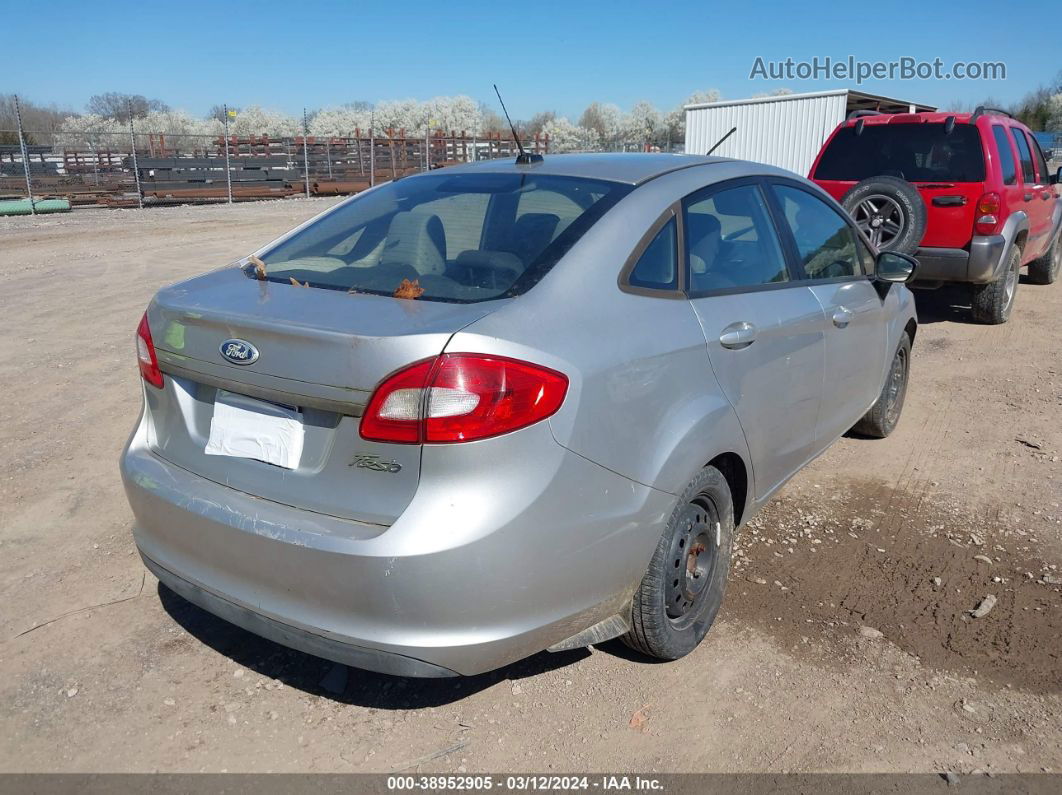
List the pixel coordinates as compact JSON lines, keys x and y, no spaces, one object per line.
{"x":461,"y":397}
{"x":145,"y":354}
{"x":986,"y":220}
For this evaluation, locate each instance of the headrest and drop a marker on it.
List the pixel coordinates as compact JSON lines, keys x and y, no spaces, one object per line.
{"x":702,"y":225}
{"x":732,"y":202}
{"x":418,"y":240}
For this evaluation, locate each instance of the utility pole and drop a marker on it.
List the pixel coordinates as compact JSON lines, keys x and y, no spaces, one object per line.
{"x":25,"y":157}
{"x":372,"y":149}
{"x":228,"y":173}
{"x":305,"y":152}
{"x":132,"y":146}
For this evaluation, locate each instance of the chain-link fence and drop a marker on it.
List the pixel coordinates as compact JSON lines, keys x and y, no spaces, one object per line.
{"x":141,"y":168}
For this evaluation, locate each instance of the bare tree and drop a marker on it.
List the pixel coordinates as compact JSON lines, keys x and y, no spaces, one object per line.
{"x":217,"y":112}
{"x":537,"y":123}
{"x":115,"y":105}
{"x":490,"y":120}
{"x":39,"y":121}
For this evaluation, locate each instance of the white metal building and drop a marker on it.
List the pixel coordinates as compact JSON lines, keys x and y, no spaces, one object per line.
{"x":785,"y":130}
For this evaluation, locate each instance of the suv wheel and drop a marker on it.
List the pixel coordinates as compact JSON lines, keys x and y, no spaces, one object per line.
{"x":682,"y":590}
{"x":993,"y":302}
{"x":883,"y":416}
{"x":1046,"y":269}
{"x":889,"y":211}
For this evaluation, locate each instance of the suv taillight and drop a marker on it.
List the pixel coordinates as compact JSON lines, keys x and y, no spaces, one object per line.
{"x":461,"y":397}
{"x":986,"y":220}
{"x":145,"y":354}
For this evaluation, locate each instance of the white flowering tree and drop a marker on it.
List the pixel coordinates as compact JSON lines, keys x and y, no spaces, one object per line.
{"x":342,"y":122}
{"x":255,"y":120}
{"x":564,"y":136}
{"x":674,"y":125}
{"x":642,"y":126}
{"x":91,"y":132}
{"x":454,"y":114}
{"x":606,"y":122}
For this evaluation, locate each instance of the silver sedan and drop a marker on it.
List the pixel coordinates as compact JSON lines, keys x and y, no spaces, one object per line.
{"x":493,"y":409}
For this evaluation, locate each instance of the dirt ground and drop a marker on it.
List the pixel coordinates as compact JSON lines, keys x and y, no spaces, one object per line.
{"x":845,"y":644}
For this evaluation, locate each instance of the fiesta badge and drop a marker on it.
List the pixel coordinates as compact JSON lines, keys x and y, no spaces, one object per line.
{"x":239,"y":351}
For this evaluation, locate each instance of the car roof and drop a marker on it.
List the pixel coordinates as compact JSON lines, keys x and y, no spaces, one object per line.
{"x":632,"y":168}
{"x":929,"y":117}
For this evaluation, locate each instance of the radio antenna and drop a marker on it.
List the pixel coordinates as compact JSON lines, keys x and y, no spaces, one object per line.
{"x":523,"y":158}
{"x":720,"y":141}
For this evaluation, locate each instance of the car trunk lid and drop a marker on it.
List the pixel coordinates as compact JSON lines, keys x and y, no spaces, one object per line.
{"x":320,"y":353}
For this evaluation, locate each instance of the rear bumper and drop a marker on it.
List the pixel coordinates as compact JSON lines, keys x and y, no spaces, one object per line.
{"x":521,"y":545}
{"x":293,"y":637}
{"x":980,"y":265}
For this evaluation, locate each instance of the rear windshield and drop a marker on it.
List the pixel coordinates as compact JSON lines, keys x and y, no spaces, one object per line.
{"x":914,"y":152}
{"x":461,"y":237}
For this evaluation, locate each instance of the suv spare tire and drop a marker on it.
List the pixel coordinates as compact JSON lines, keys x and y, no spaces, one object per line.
{"x":890,"y":212}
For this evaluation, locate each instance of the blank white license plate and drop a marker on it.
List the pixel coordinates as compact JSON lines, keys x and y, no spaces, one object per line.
{"x":243,"y":427}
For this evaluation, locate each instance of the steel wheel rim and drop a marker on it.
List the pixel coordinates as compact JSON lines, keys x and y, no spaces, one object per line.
{"x":897,"y":386}
{"x":691,"y":561}
{"x":880,"y":218}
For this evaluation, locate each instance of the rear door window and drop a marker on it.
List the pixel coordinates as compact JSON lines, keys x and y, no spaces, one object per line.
{"x":1024,"y":155}
{"x":731,"y":242}
{"x":825,"y":242}
{"x":1006,"y":156}
{"x":1039,"y":161}
{"x":914,"y":152}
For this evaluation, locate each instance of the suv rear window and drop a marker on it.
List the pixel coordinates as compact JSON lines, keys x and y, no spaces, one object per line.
{"x":462,"y":237}
{"x":914,"y":152}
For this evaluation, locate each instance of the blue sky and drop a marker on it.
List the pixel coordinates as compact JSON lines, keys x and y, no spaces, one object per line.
{"x":557,"y":56}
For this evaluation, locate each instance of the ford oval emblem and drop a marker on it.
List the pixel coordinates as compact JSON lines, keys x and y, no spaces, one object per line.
{"x":239,"y":351}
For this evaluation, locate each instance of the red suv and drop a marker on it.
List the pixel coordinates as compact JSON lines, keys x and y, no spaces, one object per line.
{"x":969,"y":194}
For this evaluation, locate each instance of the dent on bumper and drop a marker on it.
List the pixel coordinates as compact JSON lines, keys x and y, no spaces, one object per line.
{"x":518,"y":547}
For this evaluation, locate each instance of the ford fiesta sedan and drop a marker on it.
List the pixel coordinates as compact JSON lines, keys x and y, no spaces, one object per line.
{"x":493,"y":409}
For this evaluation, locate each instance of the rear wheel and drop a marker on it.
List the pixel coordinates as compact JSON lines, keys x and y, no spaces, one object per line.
{"x":993,"y":302}
{"x":883,"y":416}
{"x":1045,"y":270}
{"x":682,"y":590}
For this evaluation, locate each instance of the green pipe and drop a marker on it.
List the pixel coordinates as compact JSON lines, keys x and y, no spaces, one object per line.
{"x":22,"y":206}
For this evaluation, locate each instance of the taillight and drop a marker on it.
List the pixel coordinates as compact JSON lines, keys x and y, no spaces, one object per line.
{"x":986,"y":221}
{"x":461,"y":397}
{"x":145,"y":354}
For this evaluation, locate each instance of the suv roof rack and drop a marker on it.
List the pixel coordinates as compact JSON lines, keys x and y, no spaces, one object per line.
{"x":855,"y":114}
{"x":983,"y":109}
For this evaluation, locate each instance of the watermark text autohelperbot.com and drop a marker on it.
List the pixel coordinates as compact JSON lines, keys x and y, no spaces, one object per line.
{"x":853,"y":69}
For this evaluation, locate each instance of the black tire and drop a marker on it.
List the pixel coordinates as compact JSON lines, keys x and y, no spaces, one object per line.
{"x":993,"y":302}
{"x":1046,"y":269}
{"x":683,"y":587}
{"x":890,"y":211}
{"x":883,"y":416}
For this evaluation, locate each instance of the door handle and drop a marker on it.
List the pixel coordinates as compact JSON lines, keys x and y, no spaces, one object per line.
{"x":1028,"y":197}
{"x":738,"y":335}
{"x":842,"y":317}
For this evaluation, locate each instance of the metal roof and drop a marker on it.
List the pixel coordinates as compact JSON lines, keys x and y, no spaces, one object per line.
{"x":855,"y":100}
{"x":628,"y":167}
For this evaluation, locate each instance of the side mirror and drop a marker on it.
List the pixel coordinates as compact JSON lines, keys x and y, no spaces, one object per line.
{"x":895,"y":268}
